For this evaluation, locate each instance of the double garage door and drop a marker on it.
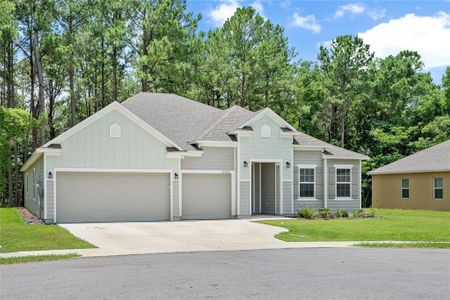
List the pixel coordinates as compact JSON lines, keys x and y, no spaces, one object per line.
{"x":123,"y":197}
{"x":112,"y":197}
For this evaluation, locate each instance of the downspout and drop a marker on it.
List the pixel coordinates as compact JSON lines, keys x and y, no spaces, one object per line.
{"x":325,"y":182}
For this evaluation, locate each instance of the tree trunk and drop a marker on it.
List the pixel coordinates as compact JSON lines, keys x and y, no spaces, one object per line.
{"x":103,"y":74}
{"x":40,"y":77}
{"x":114,"y":65}
{"x":73,"y":100}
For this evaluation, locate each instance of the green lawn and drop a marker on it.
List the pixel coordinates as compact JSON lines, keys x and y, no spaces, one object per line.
{"x":15,"y":235}
{"x":389,"y":225}
{"x":25,"y":259}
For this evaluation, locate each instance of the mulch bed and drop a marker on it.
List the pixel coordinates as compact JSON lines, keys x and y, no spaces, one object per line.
{"x":28,"y":217}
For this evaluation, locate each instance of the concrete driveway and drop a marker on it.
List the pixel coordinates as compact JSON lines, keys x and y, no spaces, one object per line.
{"x":183,"y":236}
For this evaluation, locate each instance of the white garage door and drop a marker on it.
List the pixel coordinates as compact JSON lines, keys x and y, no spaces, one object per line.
{"x":112,"y":197}
{"x":206,"y":196}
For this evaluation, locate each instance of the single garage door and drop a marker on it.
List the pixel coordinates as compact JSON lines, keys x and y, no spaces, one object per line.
{"x":111,"y":197}
{"x":206,"y":196}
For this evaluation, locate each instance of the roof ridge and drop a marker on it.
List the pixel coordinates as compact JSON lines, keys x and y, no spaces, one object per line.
{"x":226,"y":113}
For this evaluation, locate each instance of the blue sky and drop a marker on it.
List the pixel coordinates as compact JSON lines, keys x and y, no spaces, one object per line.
{"x":388,"y":26}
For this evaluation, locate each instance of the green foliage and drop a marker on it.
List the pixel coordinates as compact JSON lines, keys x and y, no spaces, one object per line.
{"x":325,"y":213}
{"x":306,"y":213}
{"x":341,"y":213}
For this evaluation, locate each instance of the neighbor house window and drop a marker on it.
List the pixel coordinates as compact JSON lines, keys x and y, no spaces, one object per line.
{"x":438,"y":188}
{"x":343,"y":182}
{"x":307,"y":182}
{"x":405,"y":188}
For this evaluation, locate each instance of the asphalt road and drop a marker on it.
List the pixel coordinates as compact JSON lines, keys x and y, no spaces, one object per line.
{"x":269,"y":274}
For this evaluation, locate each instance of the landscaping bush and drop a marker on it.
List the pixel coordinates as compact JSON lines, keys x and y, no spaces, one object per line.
{"x":362,"y":213}
{"x":341,"y":213}
{"x":325,"y":213}
{"x":306,"y":213}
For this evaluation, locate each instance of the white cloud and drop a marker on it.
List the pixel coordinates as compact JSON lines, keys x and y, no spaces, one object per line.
{"x":352,"y":8}
{"x":227,"y":8}
{"x":376,"y":14}
{"x":428,"y":35}
{"x":308,"y":22}
{"x":224,"y":11}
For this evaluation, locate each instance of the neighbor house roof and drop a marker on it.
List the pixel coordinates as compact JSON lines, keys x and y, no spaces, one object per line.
{"x":186,"y":122}
{"x":433,"y":159}
{"x":331,"y":151}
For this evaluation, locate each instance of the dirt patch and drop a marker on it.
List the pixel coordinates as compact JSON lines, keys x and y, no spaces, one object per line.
{"x":28,"y":217}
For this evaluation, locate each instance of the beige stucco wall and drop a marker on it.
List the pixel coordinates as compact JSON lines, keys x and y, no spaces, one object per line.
{"x":386,"y":191}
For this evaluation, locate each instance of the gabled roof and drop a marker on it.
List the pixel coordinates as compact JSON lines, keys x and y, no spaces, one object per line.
{"x":331,"y":151}
{"x":433,"y":159}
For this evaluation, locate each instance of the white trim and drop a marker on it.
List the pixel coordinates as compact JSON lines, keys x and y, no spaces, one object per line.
{"x":45,"y":186}
{"x":307,"y":199}
{"x":408,"y":172}
{"x":260,"y":190}
{"x":207,"y":171}
{"x":344,"y":167}
{"x":360,"y":185}
{"x":180,"y":190}
{"x":244,"y":180}
{"x":171,"y":195}
{"x":97,"y":170}
{"x":313,"y":167}
{"x":233,"y":192}
{"x":280,"y":166}
{"x":54,"y":196}
{"x":216,"y":144}
{"x":120,"y":108}
{"x":292,"y":181}
{"x":271,"y":114}
{"x":325,"y":182}
{"x":285,"y":180}
{"x":238,"y":178}
{"x":346,"y":158}
{"x":307,"y":148}
{"x":253,"y":186}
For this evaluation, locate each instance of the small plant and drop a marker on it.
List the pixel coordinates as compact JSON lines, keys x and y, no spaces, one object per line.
{"x":306,"y":213}
{"x":366,"y":213}
{"x":340,"y":213}
{"x":325,"y":213}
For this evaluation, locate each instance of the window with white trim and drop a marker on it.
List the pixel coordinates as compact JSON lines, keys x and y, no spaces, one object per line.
{"x":405,"y":188}
{"x":307,"y":176}
{"x":343,"y":182}
{"x":438,"y":188}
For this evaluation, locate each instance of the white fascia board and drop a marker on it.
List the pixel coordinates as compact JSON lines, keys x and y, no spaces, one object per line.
{"x":216,"y":144}
{"x":120,"y":108}
{"x":342,"y":157}
{"x":241,"y":132}
{"x":408,"y":172}
{"x":37,"y":154}
{"x":308,"y":148}
{"x":193,"y":153}
{"x":343,"y":166}
{"x":273,"y":115}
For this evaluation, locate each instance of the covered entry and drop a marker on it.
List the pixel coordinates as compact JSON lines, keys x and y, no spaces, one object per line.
{"x":112,"y":197}
{"x":265,"y":188}
{"x":206,"y":196}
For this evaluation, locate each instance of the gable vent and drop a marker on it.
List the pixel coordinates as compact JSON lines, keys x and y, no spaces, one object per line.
{"x":114,"y":131}
{"x":265,"y":131}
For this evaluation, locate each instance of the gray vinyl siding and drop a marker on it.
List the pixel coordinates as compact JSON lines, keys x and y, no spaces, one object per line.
{"x":213,"y":158}
{"x":50,"y":202}
{"x":176,"y":199}
{"x":34,"y":188}
{"x":244,"y":204}
{"x":287,"y":197}
{"x":308,"y":158}
{"x":334,"y":203}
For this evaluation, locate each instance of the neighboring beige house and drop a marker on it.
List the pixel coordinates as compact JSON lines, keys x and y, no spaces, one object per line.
{"x":160,"y":157}
{"x":418,"y":181}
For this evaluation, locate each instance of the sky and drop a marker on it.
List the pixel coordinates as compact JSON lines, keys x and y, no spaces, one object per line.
{"x":388,"y":26}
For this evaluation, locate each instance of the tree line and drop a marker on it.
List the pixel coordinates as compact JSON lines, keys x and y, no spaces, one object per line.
{"x":63,"y":60}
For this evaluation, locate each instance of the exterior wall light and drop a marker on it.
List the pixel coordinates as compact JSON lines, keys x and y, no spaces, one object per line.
{"x":288,"y":165}
{"x":50,"y":174}
{"x":175,"y":176}
{"x":245,"y":164}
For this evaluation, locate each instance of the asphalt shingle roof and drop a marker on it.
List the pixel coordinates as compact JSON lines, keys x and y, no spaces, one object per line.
{"x":186,"y":121}
{"x":433,"y":159}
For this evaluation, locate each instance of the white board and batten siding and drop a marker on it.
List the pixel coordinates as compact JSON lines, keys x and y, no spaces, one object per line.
{"x":34,"y":188}
{"x":93,"y":148}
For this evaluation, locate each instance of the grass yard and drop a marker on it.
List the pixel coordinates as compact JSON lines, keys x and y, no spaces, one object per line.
{"x":16,"y":235}
{"x":26,"y":259}
{"x":389,"y":225}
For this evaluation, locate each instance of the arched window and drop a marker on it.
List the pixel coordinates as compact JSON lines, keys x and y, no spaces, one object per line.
{"x":265,"y":131}
{"x":114,"y":131}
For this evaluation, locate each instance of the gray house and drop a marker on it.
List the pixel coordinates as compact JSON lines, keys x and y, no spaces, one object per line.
{"x":161,"y":157}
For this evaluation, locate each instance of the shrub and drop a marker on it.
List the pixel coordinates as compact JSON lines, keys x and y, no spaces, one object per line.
{"x":340,"y":213}
{"x":362,"y":213}
{"x":325,"y":213}
{"x":306,"y":213}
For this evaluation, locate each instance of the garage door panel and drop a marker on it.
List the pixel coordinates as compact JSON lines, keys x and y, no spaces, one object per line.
{"x":112,"y":197}
{"x":206,"y":196}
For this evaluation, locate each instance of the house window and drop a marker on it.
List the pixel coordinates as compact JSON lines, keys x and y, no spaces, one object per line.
{"x":438,"y":188}
{"x":343,"y":182}
{"x":405,"y":188}
{"x":307,"y":182}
